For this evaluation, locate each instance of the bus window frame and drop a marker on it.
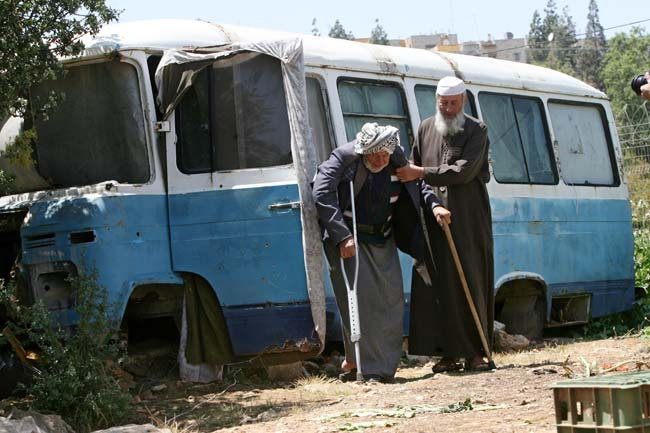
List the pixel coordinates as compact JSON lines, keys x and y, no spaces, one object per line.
{"x":142,"y":76}
{"x":547,"y":132}
{"x":608,"y":137}
{"x":179,"y":129}
{"x":399,"y":85}
{"x":326,"y":107}
{"x":470,"y":98}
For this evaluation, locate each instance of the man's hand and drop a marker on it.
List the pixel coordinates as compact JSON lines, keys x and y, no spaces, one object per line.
{"x":645,"y":89}
{"x":409,"y":172}
{"x":442,"y":214}
{"x":347,"y":248}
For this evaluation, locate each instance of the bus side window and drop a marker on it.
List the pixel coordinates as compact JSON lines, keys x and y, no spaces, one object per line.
{"x":318,"y":119}
{"x":427,"y":106}
{"x":584,"y":145}
{"x":520,"y":147}
{"x":234,"y":117}
{"x":370,"y":101}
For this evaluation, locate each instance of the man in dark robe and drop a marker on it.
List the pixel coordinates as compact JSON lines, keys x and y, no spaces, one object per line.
{"x":369,"y":163}
{"x":451,"y":155}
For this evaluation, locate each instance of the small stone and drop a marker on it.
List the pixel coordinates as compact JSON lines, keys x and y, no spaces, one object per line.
{"x":506,"y":342}
{"x":498,"y":326}
{"x":159,"y":388}
{"x":266,"y":415}
{"x":285,"y":372}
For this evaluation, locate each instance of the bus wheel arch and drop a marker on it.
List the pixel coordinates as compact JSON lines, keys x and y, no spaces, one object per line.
{"x":161,"y":305}
{"x":520,"y":302}
{"x":153,"y":308}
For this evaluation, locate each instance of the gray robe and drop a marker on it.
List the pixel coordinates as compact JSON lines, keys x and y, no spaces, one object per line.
{"x":380,"y":292}
{"x":441,"y":322}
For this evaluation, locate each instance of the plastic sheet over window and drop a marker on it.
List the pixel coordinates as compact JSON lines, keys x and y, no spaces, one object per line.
{"x":97,"y":132}
{"x":234,"y":116}
{"x":583,"y":147}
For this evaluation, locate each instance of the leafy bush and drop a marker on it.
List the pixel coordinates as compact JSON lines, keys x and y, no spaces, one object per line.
{"x":75,"y":380}
{"x":642,"y":258}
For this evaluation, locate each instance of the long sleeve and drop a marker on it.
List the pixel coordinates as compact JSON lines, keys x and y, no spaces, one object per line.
{"x":429,"y":197}
{"x":466,"y":167}
{"x":325,"y":193}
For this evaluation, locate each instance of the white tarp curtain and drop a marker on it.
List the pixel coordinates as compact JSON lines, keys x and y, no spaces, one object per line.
{"x":174,"y":76}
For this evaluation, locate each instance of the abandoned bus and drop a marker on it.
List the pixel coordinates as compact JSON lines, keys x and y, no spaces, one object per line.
{"x":177,"y":162}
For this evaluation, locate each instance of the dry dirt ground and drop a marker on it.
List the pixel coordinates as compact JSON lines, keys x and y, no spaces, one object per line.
{"x":514,"y":398}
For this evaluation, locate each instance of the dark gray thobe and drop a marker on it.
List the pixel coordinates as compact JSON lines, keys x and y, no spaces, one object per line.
{"x":381,"y":305}
{"x":441,"y":322}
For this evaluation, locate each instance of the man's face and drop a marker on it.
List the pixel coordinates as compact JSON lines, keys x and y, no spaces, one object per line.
{"x":377,"y":161}
{"x":450,"y":106}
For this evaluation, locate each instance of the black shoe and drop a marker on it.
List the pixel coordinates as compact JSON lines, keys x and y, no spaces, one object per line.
{"x":348,"y":376}
{"x":387,"y":379}
{"x":372,"y":378}
{"x":447,"y":364}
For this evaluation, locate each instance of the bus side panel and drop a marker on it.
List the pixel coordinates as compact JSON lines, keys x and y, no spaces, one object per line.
{"x":125,"y":240}
{"x":252,"y":257}
{"x":577,"y":245}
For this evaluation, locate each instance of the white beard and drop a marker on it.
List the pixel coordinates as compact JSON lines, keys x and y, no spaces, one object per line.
{"x":449,"y":127}
{"x":371,"y":168}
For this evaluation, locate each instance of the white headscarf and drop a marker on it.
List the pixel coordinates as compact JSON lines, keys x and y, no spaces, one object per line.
{"x":374,"y":138}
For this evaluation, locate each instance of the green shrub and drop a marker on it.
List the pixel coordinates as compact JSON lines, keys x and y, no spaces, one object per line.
{"x":75,"y":380}
{"x":638,"y":318}
{"x":642,"y":258}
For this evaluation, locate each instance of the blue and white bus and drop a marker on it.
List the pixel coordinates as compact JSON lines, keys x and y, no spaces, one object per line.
{"x":208,"y":192}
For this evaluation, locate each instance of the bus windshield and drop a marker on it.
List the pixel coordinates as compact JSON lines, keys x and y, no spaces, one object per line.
{"x":96,"y":132}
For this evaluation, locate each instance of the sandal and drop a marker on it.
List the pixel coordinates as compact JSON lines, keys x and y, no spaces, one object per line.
{"x":447,"y":364}
{"x":476,"y":363}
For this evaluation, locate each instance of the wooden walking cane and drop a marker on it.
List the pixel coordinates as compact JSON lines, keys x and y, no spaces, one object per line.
{"x":468,"y":295}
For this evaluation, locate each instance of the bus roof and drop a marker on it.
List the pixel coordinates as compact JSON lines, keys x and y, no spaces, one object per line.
{"x":344,"y":55}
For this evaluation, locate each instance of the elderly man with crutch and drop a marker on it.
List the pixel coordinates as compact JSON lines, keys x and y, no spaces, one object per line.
{"x":383,"y":214}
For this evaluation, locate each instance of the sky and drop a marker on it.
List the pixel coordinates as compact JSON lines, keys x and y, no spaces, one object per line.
{"x":471,"y":20}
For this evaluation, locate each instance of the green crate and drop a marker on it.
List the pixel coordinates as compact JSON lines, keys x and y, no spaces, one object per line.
{"x":603,"y":404}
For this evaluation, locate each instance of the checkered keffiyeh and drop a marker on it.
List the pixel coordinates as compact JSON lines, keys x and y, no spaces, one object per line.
{"x":374,"y":138}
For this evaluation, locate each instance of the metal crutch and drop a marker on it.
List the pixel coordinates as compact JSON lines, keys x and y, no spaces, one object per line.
{"x":468,"y":295}
{"x":353,"y":301}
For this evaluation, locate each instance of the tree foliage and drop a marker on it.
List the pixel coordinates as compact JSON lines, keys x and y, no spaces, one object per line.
{"x":589,"y":61}
{"x":34,"y":34}
{"x":552,"y":40}
{"x":626,"y":56}
{"x":378,"y":35}
{"x":537,"y":39}
{"x":339,"y":32}
{"x":314,"y":28}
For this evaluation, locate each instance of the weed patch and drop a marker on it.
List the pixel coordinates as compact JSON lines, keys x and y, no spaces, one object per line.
{"x":75,"y":379}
